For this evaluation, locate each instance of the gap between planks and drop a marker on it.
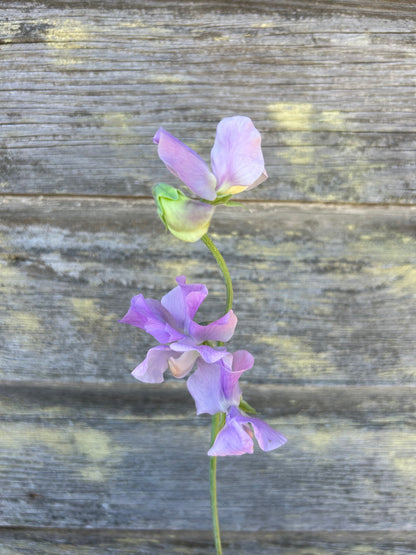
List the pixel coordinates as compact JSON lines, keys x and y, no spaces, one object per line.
{"x":149,"y":199}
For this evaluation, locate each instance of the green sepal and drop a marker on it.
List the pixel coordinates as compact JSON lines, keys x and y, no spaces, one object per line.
{"x":186,"y":218}
{"x":245,"y":407}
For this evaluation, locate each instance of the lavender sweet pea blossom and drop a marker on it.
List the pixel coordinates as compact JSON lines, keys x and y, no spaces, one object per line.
{"x":236,"y":159}
{"x":236,"y":437}
{"x":171,"y":322}
{"x":215,"y":388}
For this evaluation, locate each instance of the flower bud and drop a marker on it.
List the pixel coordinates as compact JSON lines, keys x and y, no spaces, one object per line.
{"x":186,"y":218}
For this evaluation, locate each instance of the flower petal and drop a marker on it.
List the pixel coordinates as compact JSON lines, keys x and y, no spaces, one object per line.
{"x":232,"y":439}
{"x":220,"y":330}
{"x":205,"y":387}
{"x":236,"y":157}
{"x":186,"y":164}
{"x":151,"y":370}
{"x":208,"y":354}
{"x":183,"y":301}
{"x":183,"y":364}
{"x":150,"y":316}
{"x":241,"y":361}
{"x":266,"y":436}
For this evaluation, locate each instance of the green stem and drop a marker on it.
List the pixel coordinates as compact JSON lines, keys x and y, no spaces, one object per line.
{"x":216,"y":425}
{"x":224,"y":270}
{"x":217,"y":421}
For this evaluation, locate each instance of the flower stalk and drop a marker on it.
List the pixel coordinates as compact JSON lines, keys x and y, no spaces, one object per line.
{"x":224,"y":270}
{"x":217,"y":420}
{"x":216,"y":425}
{"x":186,"y":348}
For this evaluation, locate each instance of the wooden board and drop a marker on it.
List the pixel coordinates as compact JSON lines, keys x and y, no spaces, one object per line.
{"x":52,"y":541}
{"x":84,"y":87}
{"x":324,"y":294}
{"x":123,"y":457}
{"x":322,"y":256}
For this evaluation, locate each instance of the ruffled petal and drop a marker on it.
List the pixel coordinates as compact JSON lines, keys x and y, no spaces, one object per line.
{"x":241,"y":361}
{"x":183,"y":301}
{"x":236,"y":437}
{"x":236,"y":157}
{"x":266,"y":436}
{"x":205,"y":387}
{"x":220,"y":330}
{"x":153,"y":367}
{"x":150,"y":316}
{"x":232,"y":439}
{"x":186,"y":164}
{"x":208,"y":354}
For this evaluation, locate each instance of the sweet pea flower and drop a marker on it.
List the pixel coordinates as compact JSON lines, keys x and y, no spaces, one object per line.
{"x":236,"y":437}
{"x":171,"y":322}
{"x":215,"y":388}
{"x":187,"y":219}
{"x":236,"y":159}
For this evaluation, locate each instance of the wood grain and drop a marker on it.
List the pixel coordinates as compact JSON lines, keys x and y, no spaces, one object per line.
{"x":52,"y":541}
{"x":101,"y":459}
{"x":324,"y":294}
{"x":331,"y":87}
{"x":322,"y":256}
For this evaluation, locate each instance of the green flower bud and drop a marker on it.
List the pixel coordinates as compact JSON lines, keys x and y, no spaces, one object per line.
{"x":186,"y":218}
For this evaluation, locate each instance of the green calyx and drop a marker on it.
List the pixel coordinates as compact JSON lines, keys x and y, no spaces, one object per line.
{"x":187,"y":219}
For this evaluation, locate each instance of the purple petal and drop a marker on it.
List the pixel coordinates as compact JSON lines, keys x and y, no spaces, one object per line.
{"x":183,"y":301}
{"x":267,"y":437}
{"x":152,"y":317}
{"x":208,"y":354}
{"x":220,"y":330}
{"x":232,"y":439}
{"x":151,"y":370}
{"x":241,"y":361}
{"x":205,"y":387}
{"x":236,"y":157}
{"x":186,"y":164}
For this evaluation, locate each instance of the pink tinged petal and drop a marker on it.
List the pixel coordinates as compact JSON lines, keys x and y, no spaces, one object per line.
{"x":152,"y":317}
{"x":266,"y":436}
{"x":232,"y":439}
{"x":220,"y":330}
{"x":236,"y":157}
{"x":184,"y":300}
{"x":151,"y":370}
{"x":205,"y":387}
{"x":182,"y":365}
{"x":186,"y":164}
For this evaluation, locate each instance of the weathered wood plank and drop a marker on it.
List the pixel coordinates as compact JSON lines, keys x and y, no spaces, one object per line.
{"x":330,"y":85}
{"x":52,"y":541}
{"x":108,"y":463}
{"x":324,"y":294}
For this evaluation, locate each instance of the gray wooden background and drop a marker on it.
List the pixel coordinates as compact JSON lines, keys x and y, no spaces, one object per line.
{"x":323,"y":257}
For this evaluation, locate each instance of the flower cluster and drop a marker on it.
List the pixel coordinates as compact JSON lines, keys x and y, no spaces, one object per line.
{"x":237,"y":165}
{"x":191,"y":349}
{"x":188,"y":349}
